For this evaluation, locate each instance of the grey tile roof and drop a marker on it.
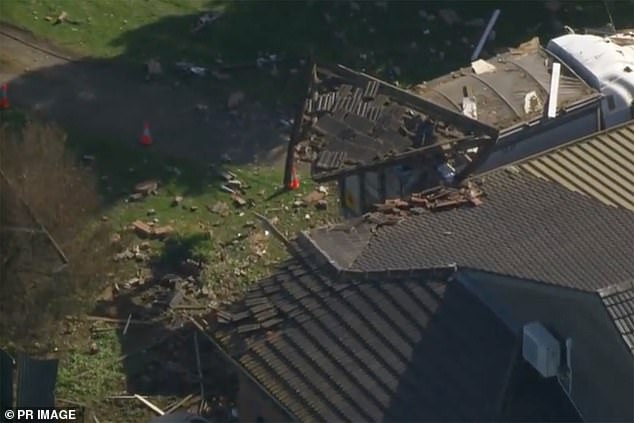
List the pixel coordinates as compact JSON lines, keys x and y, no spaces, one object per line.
{"x":371,"y":349}
{"x":619,"y":303}
{"x":526,"y":227}
{"x":341,"y":243}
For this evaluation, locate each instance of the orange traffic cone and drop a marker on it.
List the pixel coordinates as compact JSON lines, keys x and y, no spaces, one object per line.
{"x":146,"y":138}
{"x":294,"y":183}
{"x":4,"y":101}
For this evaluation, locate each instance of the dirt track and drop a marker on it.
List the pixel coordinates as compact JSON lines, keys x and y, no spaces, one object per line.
{"x":108,"y":100}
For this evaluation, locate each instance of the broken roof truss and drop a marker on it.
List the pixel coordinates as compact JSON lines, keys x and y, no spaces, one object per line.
{"x":353,"y":121}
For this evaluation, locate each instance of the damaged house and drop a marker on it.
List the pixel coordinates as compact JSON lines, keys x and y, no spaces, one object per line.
{"x":379,"y":141}
{"x":519,"y":308}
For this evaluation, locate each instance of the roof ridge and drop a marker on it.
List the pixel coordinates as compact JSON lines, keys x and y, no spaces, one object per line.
{"x":342,"y":274}
{"x":616,"y":288}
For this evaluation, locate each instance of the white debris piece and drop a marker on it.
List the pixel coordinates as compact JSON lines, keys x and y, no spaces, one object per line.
{"x":205,"y":20}
{"x":470,"y":107}
{"x":532,"y":103}
{"x":554,"y":90}
{"x":198,"y":70}
{"x":482,"y":66}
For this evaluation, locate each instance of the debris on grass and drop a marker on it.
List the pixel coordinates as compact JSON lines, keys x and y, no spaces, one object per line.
{"x":137,"y":196}
{"x":115,"y":238}
{"x":235,"y":99}
{"x":227,"y":189}
{"x":239,"y":200}
{"x":150,"y":405}
{"x":146,"y":187}
{"x":221,"y":208}
{"x":188,"y":68}
{"x":205,"y":20}
{"x":163,"y":231}
{"x":176,"y":201}
{"x":142,"y":229}
{"x":313,"y":197}
{"x":61,"y":18}
{"x":321,"y":205}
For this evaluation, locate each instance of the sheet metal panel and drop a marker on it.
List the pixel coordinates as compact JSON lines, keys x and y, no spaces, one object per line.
{"x":36,"y":382}
{"x":6,"y":382}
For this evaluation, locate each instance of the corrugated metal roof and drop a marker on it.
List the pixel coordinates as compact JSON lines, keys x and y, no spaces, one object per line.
{"x":600,"y":166}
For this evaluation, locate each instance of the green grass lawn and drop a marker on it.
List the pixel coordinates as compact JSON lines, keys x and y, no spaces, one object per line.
{"x":232,"y":244}
{"x":96,"y":24}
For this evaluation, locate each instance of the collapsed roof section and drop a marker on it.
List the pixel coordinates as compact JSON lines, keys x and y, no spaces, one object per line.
{"x":511,"y":89}
{"x":352,"y":120}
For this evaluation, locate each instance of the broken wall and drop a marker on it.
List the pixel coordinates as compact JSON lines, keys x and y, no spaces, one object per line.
{"x":360,"y":192}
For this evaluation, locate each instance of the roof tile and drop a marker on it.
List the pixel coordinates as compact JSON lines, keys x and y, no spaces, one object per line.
{"x":381,"y":350}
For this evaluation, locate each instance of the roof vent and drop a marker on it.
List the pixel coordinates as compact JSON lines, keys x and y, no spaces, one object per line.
{"x":541,"y":349}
